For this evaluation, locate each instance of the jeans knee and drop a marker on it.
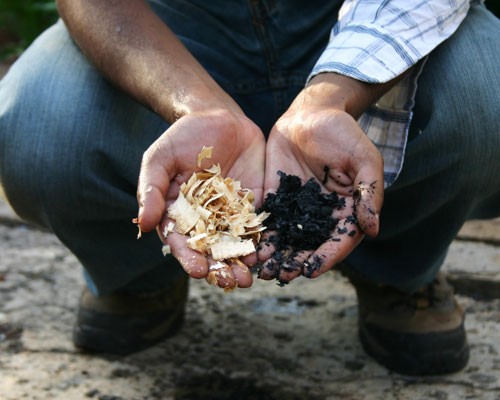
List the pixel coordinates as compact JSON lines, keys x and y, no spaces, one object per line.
{"x":458,"y":96}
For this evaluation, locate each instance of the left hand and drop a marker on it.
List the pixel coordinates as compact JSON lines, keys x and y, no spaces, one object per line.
{"x":308,"y":139}
{"x":238,"y":147}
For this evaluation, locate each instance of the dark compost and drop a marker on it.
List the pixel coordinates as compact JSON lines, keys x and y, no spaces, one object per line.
{"x":300,"y":219}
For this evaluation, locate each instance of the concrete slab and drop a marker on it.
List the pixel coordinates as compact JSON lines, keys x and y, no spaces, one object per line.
{"x":296,"y":342}
{"x":474,"y":269}
{"x":481,"y":230}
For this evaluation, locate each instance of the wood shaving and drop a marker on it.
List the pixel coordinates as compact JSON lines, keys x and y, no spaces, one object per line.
{"x":166,"y":249}
{"x":206,"y":152}
{"x":217,"y":214}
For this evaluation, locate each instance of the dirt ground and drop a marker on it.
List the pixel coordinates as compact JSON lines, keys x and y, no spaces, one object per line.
{"x":264,"y":343}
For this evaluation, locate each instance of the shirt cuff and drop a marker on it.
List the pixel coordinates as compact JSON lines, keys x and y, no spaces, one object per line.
{"x":375,"y":42}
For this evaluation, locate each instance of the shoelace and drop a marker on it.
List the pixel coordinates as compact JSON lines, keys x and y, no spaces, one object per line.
{"x":432,"y":294}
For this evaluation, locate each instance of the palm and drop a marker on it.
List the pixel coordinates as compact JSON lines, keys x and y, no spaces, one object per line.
{"x":239,"y":150}
{"x":238,"y":147}
{"x":331,"y":148}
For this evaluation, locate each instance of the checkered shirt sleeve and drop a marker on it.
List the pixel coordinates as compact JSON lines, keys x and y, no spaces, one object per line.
{"x":377,"y":40}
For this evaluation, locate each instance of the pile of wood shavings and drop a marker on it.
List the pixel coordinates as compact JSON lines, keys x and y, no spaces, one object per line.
{"x":217,"y":214}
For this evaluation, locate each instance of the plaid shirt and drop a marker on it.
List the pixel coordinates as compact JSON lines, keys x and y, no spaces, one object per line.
{"x":377,"y":40}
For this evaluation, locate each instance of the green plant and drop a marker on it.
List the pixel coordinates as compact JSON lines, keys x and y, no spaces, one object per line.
{"x":493,"y":6}
{"x":21,"y":21}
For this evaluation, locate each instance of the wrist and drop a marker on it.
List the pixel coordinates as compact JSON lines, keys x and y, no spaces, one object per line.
{"x":209,"y":100}
{"x":196,"y":99}
{"x":344,"y":93}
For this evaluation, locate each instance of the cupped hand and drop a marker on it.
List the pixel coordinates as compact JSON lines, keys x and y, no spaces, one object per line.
{"x":239,"y":149}
{"x":329,"y":145}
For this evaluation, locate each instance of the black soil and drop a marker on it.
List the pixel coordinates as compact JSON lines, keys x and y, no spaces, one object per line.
{"x":301,"y":215}
{"x":301,"y":218}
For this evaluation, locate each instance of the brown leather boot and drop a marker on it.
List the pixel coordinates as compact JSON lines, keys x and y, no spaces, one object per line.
{"x":123,"y":323}
{"x":415,"y":334}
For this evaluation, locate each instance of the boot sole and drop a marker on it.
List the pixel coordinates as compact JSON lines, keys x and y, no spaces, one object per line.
{"x":123,"y":336}
{"x":417,"y":354}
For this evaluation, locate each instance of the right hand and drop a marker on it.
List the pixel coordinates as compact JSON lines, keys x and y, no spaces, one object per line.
{"x":315,"y":133}
{"x":239,"y":148}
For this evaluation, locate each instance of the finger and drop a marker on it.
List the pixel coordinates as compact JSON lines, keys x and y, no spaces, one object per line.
{"x":165,"y":228}
{"x":293,"y":267}
{"x":269,"y":270}
{"x":250,"y":169}
{"x":151,"y":206}
{"x":249,"y":260}
{"x":265,"y":248}
{"x":336,"y":180}
{"x":242,"y":274}
{"x":193,"y":262}
{"x":344,"y":240}
{"x":340,"y":177}
{"x":221,"y":275}
{"x":157,"y":169}
{"x":368,"y":200}
{"x":369,"y":190}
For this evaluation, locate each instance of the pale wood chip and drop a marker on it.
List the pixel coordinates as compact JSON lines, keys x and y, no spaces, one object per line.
{"x":217,"y":214}
{"x":183,"y":213}
{"x":206,"y":152}
{"x":227,"y":249}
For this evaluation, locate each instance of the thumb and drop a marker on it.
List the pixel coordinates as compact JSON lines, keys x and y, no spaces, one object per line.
{"x":157,"y":169}
{"x":368,"y":199}
{"x":369,"y":188}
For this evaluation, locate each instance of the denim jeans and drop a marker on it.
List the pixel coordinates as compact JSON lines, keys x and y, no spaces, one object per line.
{"x":71,"y":143}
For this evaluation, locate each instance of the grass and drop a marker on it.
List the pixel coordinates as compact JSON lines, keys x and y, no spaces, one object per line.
{"x":21,"y":21}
